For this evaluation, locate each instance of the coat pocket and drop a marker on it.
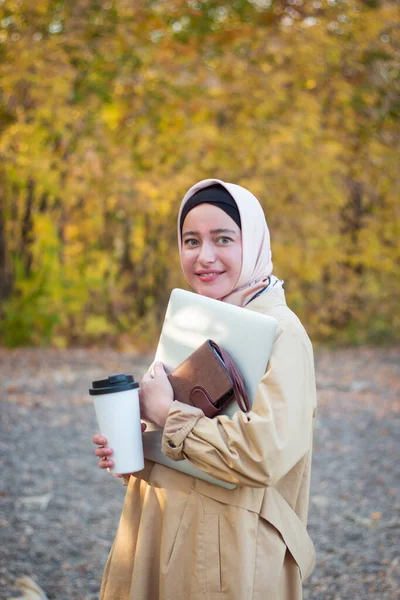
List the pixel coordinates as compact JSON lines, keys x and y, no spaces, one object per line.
{"x":212,"y":552}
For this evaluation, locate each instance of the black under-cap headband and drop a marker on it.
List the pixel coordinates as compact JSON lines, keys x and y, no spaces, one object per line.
{"x":214,"y":194}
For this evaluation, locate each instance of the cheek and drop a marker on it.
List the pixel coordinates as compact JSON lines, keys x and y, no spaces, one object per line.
{"x":186,"y":260}
{"x":237,"y":259}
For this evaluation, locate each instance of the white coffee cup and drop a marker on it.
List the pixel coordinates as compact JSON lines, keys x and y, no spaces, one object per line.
{"x":116,"y":402}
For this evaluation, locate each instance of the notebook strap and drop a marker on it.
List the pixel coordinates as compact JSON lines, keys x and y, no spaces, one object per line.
{"x":239,"y":388}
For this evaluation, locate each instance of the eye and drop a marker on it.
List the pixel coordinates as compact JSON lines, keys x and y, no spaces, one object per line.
{"x":190,"y":242}
{"x":224,"y":240}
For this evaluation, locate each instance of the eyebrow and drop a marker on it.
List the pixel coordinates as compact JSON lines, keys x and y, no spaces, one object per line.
{"x":213,"y":232}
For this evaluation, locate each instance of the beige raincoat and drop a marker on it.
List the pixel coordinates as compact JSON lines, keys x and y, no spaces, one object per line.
{"x":181,"y":538}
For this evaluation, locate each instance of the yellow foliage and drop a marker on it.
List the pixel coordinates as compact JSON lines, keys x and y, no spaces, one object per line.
{"x":104,"y":129}
{"x":97,"y":326}
{"x":111,"y":115}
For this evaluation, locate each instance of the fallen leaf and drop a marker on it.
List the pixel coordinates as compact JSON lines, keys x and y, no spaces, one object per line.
{"x":29,"y":589}
{"x":34,"y":502}
{"x":376,"y":515}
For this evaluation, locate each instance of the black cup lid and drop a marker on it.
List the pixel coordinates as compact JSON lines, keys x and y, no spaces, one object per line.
{"x":113,"y":384}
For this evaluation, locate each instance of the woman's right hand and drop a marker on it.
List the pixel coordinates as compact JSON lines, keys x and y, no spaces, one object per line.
{"x":104,"y":452}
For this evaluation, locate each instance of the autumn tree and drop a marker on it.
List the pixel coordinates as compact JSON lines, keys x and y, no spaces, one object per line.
{"x":110,"y":110}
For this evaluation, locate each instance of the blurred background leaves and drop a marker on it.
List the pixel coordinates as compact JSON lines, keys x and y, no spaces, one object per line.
{"x":111,"y":110}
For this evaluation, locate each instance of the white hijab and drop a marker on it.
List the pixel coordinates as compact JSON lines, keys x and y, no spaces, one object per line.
{"x":256,"y":248}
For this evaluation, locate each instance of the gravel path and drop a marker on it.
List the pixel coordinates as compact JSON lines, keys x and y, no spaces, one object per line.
{"x":59,"y":512}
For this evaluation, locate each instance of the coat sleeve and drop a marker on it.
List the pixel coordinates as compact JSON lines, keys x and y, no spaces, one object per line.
{"x":256,"y":448}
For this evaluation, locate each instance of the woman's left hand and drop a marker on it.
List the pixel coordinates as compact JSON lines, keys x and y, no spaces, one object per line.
{"x":156,"y":396}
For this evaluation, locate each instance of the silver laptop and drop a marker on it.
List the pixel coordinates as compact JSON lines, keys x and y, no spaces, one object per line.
{"x":190,"y":320}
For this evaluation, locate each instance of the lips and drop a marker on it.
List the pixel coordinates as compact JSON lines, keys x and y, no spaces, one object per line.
{"x":208,"y":276}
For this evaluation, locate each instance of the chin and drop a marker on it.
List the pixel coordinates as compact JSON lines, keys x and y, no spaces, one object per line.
{"x":210,"y":293}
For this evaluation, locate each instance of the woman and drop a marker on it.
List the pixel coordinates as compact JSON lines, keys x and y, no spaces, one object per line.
{"x":183,"y":538}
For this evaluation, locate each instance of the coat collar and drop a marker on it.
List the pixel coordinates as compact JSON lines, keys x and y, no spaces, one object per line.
{"x":267,"y":300}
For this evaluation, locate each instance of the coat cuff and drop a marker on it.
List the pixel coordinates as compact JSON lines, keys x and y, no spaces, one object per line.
{"x":180,"y":422}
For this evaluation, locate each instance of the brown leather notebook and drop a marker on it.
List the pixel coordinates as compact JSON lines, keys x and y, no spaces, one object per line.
{"x":209,"y":380}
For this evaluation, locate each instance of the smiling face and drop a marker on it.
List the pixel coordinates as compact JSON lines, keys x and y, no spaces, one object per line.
{"x":211,"y":251}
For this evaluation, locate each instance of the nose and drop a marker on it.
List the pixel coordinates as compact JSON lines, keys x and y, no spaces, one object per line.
{"x":207,"y":254}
